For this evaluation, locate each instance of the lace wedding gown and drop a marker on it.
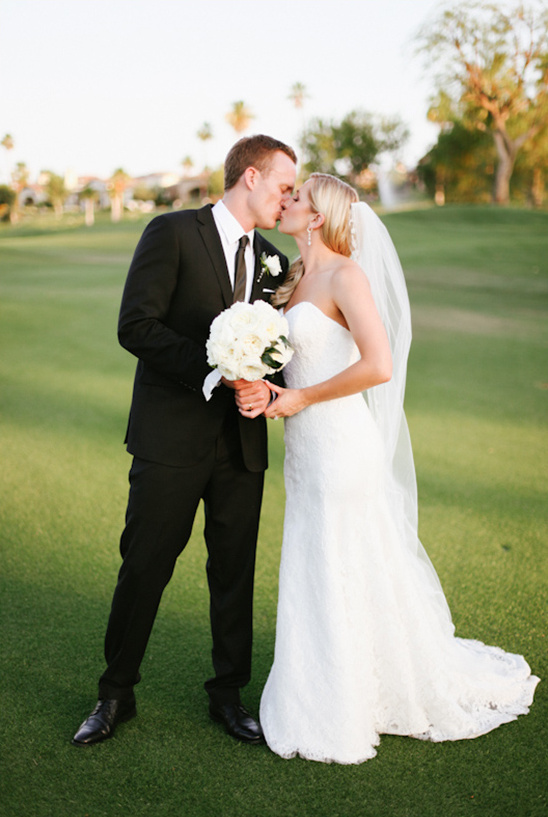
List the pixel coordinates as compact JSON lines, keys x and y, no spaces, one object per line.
{"x":364,"y":640}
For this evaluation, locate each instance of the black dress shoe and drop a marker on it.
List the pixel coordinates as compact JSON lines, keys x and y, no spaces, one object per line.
{"x":237,"y":721}
{"x":101,"y":723}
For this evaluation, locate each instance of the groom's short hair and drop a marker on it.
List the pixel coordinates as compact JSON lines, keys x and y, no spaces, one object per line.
{"x":252,"y":151}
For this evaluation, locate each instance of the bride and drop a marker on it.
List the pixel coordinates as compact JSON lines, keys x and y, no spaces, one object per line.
{"x":364,"y":640}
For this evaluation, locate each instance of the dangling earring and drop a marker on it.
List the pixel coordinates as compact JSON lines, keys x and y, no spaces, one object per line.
{"x":309,"y":234}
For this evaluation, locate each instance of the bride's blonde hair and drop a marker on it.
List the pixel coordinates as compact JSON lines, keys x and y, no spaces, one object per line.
{"x":332,"y":198}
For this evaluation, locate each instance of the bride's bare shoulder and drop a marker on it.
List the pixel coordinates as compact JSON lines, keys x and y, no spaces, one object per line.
{"x":349,"y":275}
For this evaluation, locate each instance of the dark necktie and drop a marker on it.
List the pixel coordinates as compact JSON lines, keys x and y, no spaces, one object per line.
{"x":240,"y":275}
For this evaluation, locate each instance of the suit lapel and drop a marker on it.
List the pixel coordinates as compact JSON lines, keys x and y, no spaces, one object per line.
{"x":264,"y":285}
{"x":257,"y":288}
{"x":212,"y":241}
{"x":210,"y":237}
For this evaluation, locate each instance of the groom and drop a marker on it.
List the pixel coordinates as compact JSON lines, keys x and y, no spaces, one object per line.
{"x":187,"y":438}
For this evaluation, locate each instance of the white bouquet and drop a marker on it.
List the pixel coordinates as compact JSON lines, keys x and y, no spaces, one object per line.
{"x":248,"y":341}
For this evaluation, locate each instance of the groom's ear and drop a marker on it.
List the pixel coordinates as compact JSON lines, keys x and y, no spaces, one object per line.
{"x":250,"y":177}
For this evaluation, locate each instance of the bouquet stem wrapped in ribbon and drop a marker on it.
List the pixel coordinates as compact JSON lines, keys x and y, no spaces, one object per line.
{"x":248,"y":341}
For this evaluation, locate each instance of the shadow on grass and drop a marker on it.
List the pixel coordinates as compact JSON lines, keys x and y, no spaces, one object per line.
{"x":171,"y":759}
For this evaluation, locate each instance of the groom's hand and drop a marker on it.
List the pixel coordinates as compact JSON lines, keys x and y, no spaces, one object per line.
{"x":252,"y":398}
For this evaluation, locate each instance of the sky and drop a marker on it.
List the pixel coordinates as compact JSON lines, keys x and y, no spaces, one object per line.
{"x":87,"y":86}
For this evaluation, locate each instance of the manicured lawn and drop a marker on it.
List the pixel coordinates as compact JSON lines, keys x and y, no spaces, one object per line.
{"x":477,"y":408}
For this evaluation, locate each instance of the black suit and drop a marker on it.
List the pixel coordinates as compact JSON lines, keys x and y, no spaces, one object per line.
{"x":185,"y":449}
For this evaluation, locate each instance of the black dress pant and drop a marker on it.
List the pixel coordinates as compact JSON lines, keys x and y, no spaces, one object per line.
{"x":162,"y":505}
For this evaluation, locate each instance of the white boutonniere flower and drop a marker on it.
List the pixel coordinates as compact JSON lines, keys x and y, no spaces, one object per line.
{"x":270,"y":264}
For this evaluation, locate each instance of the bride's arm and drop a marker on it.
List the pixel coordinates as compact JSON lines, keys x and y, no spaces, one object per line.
{"x":351,"y":295}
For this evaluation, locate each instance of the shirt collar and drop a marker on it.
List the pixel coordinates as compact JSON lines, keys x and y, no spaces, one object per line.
{"x":231,"y":227}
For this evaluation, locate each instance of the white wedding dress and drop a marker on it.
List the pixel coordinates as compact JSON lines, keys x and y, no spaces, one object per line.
{"x":364,"y":640}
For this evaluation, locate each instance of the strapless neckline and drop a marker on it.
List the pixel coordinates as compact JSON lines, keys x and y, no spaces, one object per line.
{"x":317,"y":309}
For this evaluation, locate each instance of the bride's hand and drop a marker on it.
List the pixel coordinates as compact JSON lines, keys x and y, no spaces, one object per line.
{"x":287,"y":403}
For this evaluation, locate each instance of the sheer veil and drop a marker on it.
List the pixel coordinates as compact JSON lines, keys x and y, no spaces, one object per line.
{"x":377,"y":256}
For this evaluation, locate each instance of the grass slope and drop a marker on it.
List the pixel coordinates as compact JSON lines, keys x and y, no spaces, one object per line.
{"x":476,"y":403}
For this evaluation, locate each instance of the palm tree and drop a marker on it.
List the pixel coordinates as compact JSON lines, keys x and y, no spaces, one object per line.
{"x":239,"y":117}
{"x":188,"y":164}
{"x":116,"y":187}
{"x":7,"y":142}
{"x":56,"y":191}
{"x":7,"y":200}
{"x":298,"y":94}
{"x":19,"y":178}
{"x":204,"y":134}
{"x":89,"y":196}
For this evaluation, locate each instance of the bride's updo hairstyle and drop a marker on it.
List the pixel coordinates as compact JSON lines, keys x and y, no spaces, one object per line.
{"x":332,"y":198}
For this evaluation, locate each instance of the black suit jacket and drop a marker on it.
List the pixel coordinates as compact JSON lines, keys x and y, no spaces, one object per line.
{"x":177,"y":284}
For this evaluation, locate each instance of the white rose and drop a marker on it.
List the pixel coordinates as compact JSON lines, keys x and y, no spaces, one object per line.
{"x":264,"y":309}
{"x":221,"y":356}
{"x":253,"y":345}
{"x":237,"y":349}
{"x":282,"y":352}
{"x":272,"y":263}
{"x":244,"y":320}
{"x":253,"y":371}
{"x":229,"y":374}
{"x":221,"y":332}
{"x":213,"y":352}
{"x":270,"y":321}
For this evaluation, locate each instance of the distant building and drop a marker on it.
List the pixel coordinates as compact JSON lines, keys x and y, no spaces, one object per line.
{"x":164,"y":186}
{"x":31,"y":194}
{"x":190,"y":188}
{"x":156,"y":180}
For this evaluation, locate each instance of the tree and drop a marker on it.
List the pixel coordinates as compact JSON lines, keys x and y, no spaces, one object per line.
{"x":89,"y":196}
{"x":7,"y":199}
{"x":528,"y":178}
{"x":215,"y":183}
{"x":535,"y":166}
{"x":239,"y":117}
{"x":56,"y":191}
{"x":460,"y":166}
{"x":298,"y":95}
{"x":187,"y":163}
{"x":493,"y":75}
{"x":117,"y":185}
{"x":349,"y":147}
{"x":19,"y":179}
{"x":318,"y":147}
{"x":7,"y":142}
{"x":204,"y":134}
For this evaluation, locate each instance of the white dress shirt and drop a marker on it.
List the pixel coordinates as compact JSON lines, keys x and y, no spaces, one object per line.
{"x":230,"y":231}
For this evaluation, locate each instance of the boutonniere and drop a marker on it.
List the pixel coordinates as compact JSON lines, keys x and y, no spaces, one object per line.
{"x":270,"y":264}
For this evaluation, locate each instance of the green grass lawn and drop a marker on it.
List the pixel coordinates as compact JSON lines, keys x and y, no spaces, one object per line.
{"x":477,"y":408}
